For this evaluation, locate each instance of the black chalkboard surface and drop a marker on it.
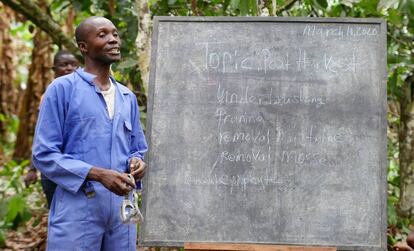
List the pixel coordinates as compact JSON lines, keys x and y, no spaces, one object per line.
{"x":267,"y":130}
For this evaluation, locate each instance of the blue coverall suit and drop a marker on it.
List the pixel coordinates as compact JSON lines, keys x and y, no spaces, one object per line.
{"x":73,"y":134}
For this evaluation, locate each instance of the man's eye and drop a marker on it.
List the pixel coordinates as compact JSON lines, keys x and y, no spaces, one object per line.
{"x":115,"y":34}
{"x":101,"y":34}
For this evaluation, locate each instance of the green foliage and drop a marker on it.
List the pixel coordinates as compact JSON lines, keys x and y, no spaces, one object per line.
{"x":398,"y":227}
{"x":243,"y":7}
{"x":17,"y":210}
{"x":13,"y":171}
{"x":204,"y":8}
{"x":400,"y":45}
{"x":11,"y":123}
{"x":321,"y":3}
{"x":23,"y":43}
{"x":14,"y":209}
{"x":407,"y":7}
{"x":127,"y":63}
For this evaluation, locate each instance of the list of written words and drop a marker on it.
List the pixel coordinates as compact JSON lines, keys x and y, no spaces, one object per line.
{"x":243,"y":129}
{"x":248,"y":138}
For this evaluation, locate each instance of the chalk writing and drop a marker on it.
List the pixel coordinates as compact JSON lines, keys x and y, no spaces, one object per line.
{"x":326,"y":62}
{"x":245,"y":96}
{"x":361,"y":31}
{"x":251,"y":156}
{"x":255,"y":137}
{"x":244,"y":118}
{"x":277,"y":59}
{"x":240,"y":181}
{"x":304,"y":157}
{"x":339,"y":31}
{"x":314,"y":135}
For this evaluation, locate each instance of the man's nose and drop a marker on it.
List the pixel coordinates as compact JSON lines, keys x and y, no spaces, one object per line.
{"x":114,"y":39}
{"x":70,"y":67}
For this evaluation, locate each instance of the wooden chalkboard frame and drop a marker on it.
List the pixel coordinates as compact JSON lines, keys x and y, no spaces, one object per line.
{"x":383,"y":154}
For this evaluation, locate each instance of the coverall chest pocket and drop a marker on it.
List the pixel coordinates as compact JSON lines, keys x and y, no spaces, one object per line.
{"x":80,"y":131}
{"x":128,"y":132}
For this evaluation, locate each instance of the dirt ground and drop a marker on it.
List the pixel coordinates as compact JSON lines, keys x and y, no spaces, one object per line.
{"x":32,"y":237}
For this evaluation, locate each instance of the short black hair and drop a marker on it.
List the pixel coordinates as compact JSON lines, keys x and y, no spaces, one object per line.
{"x":80,"y":32}
{"x":59,"y":54}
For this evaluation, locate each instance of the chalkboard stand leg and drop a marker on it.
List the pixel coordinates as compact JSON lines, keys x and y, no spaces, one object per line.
{"x":251,"y":247}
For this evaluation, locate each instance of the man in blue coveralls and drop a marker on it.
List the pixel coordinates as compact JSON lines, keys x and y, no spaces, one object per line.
{"x":64,"y":63}
{"x":88,"y":137}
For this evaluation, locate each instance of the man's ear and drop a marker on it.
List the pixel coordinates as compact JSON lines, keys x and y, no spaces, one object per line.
{"x":83,"y":47}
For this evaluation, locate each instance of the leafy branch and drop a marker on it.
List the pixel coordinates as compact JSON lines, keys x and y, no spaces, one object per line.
{"x":42,"y":20}
{"x":286,"y":6}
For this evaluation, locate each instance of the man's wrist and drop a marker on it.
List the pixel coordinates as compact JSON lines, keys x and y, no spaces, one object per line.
{"x":95,"y":173}
{"x":133,"y":157}
{"x":129,"y":162}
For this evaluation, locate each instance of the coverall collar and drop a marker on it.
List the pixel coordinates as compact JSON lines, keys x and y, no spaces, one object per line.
{"x":89,"y":77}
{"x":120,"y":92}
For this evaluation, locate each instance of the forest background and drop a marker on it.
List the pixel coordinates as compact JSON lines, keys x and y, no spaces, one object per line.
{"x":32,"y":31}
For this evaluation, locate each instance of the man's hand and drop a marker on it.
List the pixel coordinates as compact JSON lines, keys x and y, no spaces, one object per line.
{"x":31,"y":177}
{"x":401,"y":247}
{"x":137,"y":167}
{"x":116,"y":182}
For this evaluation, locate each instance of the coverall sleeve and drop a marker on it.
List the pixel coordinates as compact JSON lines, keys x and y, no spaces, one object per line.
{"x":48,"y":143}
{"x":138,"y":142}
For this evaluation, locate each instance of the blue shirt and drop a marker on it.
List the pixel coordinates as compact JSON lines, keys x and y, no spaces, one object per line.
{"x":74,"y":131}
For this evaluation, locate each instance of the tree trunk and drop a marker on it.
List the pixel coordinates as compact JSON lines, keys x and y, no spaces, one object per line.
{"x":406,"y":142}
{"x":41,"y":19}
{"x":143,"y":41}
{"x":143,"y":44}
{"x":69,"y":23}
{"x":40,"y":75}
{"x":8,"y":92}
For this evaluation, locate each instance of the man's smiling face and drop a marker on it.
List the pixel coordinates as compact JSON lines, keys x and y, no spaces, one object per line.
{"x":102,"y":41}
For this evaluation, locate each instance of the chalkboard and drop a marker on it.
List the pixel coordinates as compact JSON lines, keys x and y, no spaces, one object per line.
{"x":267,"y":130}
